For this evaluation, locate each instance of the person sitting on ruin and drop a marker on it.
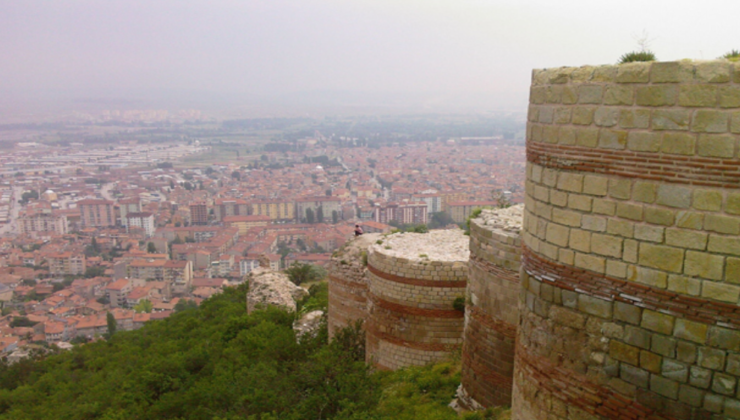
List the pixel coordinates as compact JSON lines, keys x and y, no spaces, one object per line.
{"x":358,"y":230}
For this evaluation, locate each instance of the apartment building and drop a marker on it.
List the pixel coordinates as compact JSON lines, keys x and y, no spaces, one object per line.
{"x":198,"y":213}
{"x":143,"y":220}
{"x":66,"y":263}
{"x":96,"y":213}
{"x":45,"y":221}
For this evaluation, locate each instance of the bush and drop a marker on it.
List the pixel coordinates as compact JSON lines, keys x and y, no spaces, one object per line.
{"x":635,"y":56}
{"x":733,"y":55}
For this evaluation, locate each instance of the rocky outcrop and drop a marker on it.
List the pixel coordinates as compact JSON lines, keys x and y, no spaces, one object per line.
{"x":308,"y":324}
{"x":271,"y":288}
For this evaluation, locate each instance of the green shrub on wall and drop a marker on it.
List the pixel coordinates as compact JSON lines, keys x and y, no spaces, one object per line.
{"x":733,"y":55}
{"x":634,"y":56}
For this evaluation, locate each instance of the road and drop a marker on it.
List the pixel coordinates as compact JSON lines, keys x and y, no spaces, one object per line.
{"x":11,"y":228}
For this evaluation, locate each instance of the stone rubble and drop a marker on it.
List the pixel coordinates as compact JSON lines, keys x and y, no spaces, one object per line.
{"x":308,"y":324}
{"x":508,"y":219}
{"x":267,"y":287}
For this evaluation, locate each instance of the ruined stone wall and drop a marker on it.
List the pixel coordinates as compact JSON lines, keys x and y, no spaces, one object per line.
{"x":491,"y":315}
{"x":631,"y":254}
{"x":348,"y":283}
{"x":413,"y":280}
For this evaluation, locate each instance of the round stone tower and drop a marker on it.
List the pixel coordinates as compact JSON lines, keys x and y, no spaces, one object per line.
{"x":491,"y":315}
{"x":348,"y":284}
{"x":631,"y":244}
{"x":414,"y":280}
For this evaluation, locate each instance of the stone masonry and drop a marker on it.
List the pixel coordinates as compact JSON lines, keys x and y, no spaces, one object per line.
{"x":413,"y":282}
{"x":630,"y":277}
{"x":348,"y":283}
{"x":491,"y":314}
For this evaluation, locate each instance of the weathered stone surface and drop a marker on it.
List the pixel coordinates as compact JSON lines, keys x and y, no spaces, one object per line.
{"x":271,"y":288}
{"x":308,"y":324}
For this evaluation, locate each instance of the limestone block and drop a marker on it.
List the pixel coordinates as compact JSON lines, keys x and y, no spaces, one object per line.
{"x":661,"y":257}
{"x":672,"y":195}
{"x":619,"y":95}
{"x":587,"y":137}
{"x":580,"y":202}
{"x":597,"y":185}
{"x":700,"y":378}
{"x":678,"y":143}
{"x":634,"y":118}
{"x":607,"y":245}
{"x":604,"y":74}
{"x":631,"y":314}
{"x":689,"y":220}
{"x":569,"y":181}
{"x":720,"y":291}
{"x":684,"y":285}
{"x":590,"y":262}
{"x":707,"y":200}
{"x":664,"y":386}
{"x":713,"y":72}
{"x":595,"y":306}
{"x":722,"y":224}
{"x":711,"y":358}
{"x":724,"y":338}
{"x":649,"y":277}
{"x":660,"y":216}
{"x":709,"y":121}
{"x":713,"y":145}
{"x":674,"y":370}
{"x":690,"y":330}
{"x":557,"y":234}
{"x":621,"y":228}
{"x":590,"y":94}
{"x":644,"y":141}
{"x":612,"y":139}
{"x":630,"y":211}
{"x":657,"y":95}
{"x":698,"y":95}
{"x":671,"y":119}
{"x":649,"y":233}
{"x":605,"y":207}
{"x":732,"y":272}
{"x":583,"y":115}
{"x":672,"y":72}
{"x":624,"y":352}
{"x":616,"y":269}
{"x":686,"y":239}
{"x":662,"y":345}
{"x":733,"y":203}
{"x":633,"y":72}
{"x":562,"y":115}
{"x":704,"y":265}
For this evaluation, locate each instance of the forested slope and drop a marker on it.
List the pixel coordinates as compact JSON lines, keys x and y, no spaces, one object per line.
{"x":217,"y":362}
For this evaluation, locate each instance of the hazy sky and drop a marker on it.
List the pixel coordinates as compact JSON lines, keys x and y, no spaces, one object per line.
{"x":429,"y":48}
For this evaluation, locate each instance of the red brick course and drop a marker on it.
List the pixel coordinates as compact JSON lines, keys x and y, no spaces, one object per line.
{"x":691,"y":170}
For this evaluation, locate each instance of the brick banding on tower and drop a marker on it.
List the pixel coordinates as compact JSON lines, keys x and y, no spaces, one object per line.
{"x":413,"y":281}
{"x":348,"y":284}
{"x":491,"y":310}
{"x":630,"y":280}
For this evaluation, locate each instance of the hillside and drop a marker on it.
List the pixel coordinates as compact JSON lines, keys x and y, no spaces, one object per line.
{"x":217,"y":362}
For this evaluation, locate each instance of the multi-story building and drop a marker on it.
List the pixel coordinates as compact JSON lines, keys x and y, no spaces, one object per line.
{"x":318,"y":205}
{"x":178,"y":273}
{"x":128,"y":205}
{"x":143,"y":220}
{"x":406,"y":213}
{"x":224,"y":208}
{"x":274,"y":209}
{"x":117,"y":292}
{"x":96,"y":213}
{"x":66,"y":263}
{"x":198,"y":213}
{"x":433,"y":201}
{"x":244,"y":223}
{"x":461,"y":210}
{"x":45,"y":221}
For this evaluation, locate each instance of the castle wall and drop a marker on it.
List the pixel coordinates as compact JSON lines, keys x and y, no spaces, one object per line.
{"x":348,"y":283}
{"x":631,"y":244}
{"x":413,"y":280}
{"x":491,"y":312}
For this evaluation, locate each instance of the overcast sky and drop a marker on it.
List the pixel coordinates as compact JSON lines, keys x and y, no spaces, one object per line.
{"x":428,"y":48}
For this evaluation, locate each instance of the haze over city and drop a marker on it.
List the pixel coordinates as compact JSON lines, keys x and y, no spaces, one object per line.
{"x":250,"y":58}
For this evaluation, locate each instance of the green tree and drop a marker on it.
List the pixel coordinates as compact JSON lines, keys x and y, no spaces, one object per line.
{"x":334,"y":217}
{"x":309,"y":215}
{"x":112,"y":324}
{"x":300,"y":273}
{"x":144,"y":305}
{"x":185,"y":304}
{"x":236,"y":175}
{"x":440,"y":219}
{"x":320,"y":214}
{"x":151,"y":248}
{"x":94,"y":271}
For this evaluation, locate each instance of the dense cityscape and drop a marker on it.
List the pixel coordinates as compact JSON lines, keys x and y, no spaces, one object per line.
{"x":139,"y":229}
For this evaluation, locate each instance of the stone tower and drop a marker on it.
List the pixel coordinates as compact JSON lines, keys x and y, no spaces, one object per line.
{"x":348,"y":283}
{"x":414,"y":280}
{"x":491,"y":316}
{"x":631,"y":244}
